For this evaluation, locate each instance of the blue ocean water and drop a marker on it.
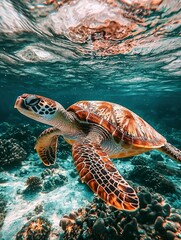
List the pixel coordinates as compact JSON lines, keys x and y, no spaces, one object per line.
{"x":127,"y":52}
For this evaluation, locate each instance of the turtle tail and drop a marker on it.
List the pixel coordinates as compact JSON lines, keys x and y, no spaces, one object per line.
{"x":171,"y":151}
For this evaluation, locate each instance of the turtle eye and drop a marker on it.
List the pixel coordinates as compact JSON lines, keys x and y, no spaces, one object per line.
{"x":32,"y":101}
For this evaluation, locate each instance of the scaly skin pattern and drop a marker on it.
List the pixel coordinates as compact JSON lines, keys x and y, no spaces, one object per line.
{"x":36,"y":103}
{"x":46,"y":145}
{"x":96,"y":169}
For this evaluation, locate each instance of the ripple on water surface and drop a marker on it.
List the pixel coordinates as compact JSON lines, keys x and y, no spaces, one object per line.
{"x":121,"y":51}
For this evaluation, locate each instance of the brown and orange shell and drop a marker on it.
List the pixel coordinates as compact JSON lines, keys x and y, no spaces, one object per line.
{"x":120,"y":122}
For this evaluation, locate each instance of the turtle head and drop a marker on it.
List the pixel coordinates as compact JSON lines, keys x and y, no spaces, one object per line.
{"x":38,"y":108}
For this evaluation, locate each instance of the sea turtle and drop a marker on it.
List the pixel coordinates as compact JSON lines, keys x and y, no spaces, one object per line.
{"x":97,"y":131}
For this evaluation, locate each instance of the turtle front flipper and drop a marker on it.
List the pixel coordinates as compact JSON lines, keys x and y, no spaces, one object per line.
{"x":96,"y":169}
{"x":46,"y":145}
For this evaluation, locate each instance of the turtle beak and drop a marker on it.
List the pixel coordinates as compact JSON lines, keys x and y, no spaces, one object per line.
{"x":20,"y":104}
{"x":17,"y":103}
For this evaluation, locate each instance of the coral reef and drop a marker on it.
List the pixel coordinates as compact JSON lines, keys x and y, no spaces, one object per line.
{"x":11,"y":152}
{"x":139,"y":160}
{"x":151,"y":178}
{"x":24,"y":135}
{"x":33,"y":184}
{"x":38,"y":209}
{"x":53,"y":178}
{"x":157,"y":163}
{"x":167,"y":170}
{"x":17,"y":142}
{"x":3,"y":204}
{"x":36,"y":229}
{"x":155,"y":219}
{"x":50,"y":179}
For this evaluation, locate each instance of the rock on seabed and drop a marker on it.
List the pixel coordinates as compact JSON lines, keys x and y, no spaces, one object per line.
{"x":155,"y":219}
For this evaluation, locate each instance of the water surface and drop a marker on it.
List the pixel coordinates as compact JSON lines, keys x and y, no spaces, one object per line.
{"x":128,"y":52}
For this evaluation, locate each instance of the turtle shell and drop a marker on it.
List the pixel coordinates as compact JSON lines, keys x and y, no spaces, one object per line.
{"x":120,"y":122}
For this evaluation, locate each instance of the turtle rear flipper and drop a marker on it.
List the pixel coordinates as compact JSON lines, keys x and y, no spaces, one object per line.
{"x":171,"y":151}
{"x":46,"y":145}
{"x":96,"y":169}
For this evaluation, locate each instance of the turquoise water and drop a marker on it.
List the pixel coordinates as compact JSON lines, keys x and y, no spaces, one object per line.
{"x":71,"y":53}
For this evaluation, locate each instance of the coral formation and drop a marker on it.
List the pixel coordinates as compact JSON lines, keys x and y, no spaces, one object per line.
{"x":36,"y":229}
{"x":154,"y":220}
{"x":3,"y":204}
{"x":38,"y":209}
{"x":157,"y":163}
{"x":170,"y":171}
{"x":139,"y":160}
{"x":53,"y":178}
{"x":151,"y":178}
{"x":24,"y":135}
{"x":50,"y":179}
{"x":11,"y":152}
{"x":33,"y":184}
